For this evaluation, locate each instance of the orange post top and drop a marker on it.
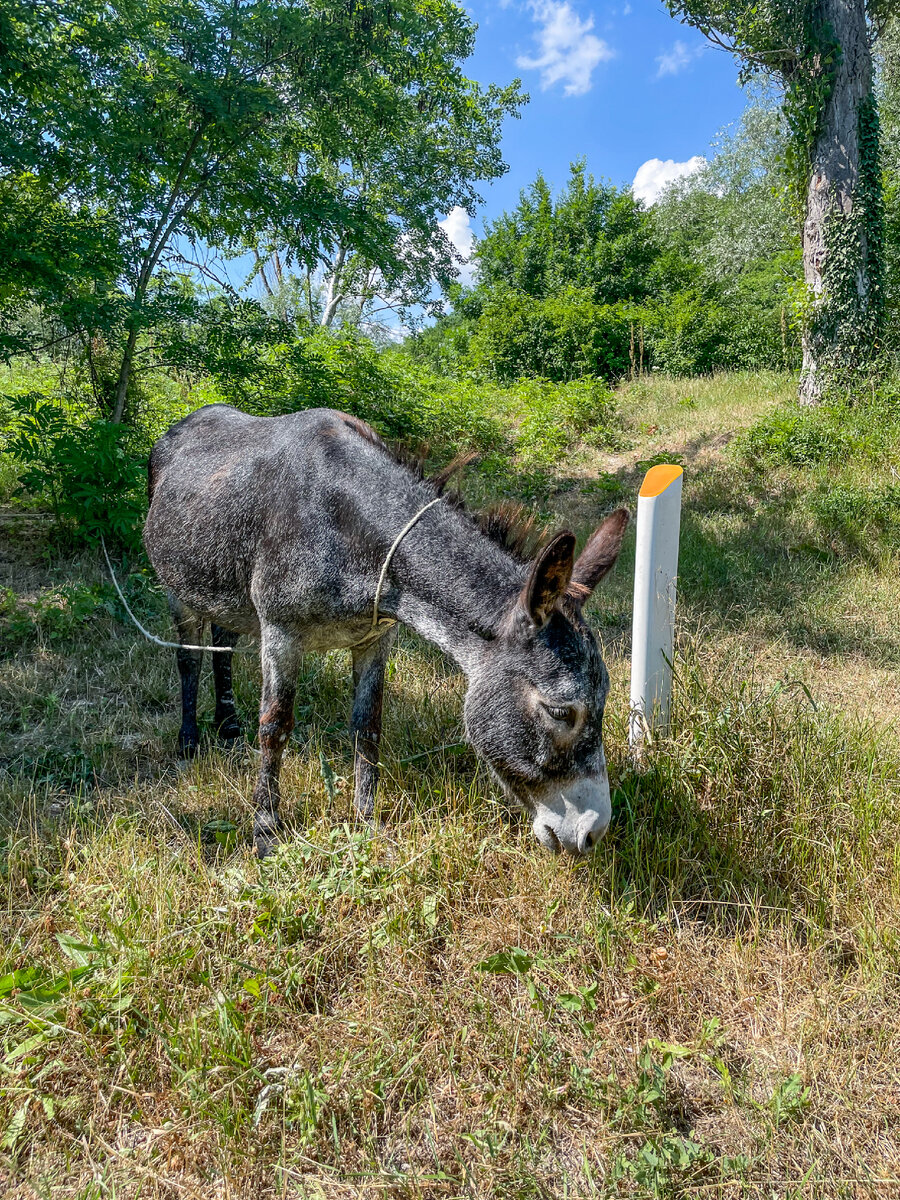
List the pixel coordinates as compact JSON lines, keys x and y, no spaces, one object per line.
{"x":658,"y":479}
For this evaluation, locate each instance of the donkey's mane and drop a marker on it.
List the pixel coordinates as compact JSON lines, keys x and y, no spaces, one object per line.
{"x":507,"y":523}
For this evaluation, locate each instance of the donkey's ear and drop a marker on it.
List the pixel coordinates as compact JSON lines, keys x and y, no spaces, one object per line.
{"x":549,"y":578}
{"x":600,"y":554}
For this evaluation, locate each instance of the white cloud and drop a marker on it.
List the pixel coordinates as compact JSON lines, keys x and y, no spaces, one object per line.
{"x":458,"y":228}
{"x":676,"y":59}
{"x":655,"y":175}
{"x":567,"y":50}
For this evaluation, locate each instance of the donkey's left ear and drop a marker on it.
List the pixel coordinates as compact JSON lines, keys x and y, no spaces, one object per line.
{"x":549,"y":578}
{"x":600,"y":554}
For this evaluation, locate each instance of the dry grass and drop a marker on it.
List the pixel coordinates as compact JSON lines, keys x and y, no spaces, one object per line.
{"x":710,"y":1007}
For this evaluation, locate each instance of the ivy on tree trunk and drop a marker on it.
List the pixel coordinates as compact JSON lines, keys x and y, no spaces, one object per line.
{"x":842,"y":229}
{"x":820,"y":53}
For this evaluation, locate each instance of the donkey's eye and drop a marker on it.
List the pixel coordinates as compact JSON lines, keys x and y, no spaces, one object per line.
{"x":561,"y":713}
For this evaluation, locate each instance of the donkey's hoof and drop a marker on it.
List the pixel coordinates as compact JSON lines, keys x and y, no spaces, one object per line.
{"x":229,"y":729}
{"x":266,"y":837}
{"x":187,"y":749}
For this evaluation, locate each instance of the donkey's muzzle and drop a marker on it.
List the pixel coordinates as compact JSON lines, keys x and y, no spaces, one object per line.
{"x":573,"y":816}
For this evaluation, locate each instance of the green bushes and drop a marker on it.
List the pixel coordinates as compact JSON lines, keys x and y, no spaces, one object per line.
{"x":91,"y":473}
{"x":796,"y":437}
{"x":403,"y":400}
{"x":568,"y":335}
{"x":844,"y":458}
{"x":830,"y":434}
{"x":555,"y":416}
{"x":560,"y":337}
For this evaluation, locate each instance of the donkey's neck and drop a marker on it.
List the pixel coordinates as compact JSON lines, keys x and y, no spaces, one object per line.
{"x":452,"y":584}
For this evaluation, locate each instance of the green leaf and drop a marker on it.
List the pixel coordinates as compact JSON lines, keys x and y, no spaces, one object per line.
{"x":80,"y":952}
{"x":507,"y":962}
{"x":570,"y":1001}
{"x":22,"y":978}
{"x":429,"y":910}
{"x":26,"y":1047}
{"x":14,"y":1129}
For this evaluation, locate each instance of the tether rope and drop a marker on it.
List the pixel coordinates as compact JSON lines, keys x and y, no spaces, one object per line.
{"x":390,"y":554}
{"x":151,"y":637}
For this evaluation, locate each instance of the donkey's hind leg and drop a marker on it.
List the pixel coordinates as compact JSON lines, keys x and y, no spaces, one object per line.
{"x":280,"y":655}
{"x":227,"y":723}
{"x":365,"y":723}
{"x":189,"y":625}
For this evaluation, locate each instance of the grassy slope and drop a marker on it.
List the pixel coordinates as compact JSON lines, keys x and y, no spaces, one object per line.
{"x":710,"y":1006}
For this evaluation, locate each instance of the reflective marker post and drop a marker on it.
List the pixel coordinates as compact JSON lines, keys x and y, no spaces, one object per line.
{"x":655,"y":572}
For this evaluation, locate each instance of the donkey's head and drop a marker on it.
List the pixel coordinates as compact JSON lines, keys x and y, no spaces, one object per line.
{"x":534,"y":709}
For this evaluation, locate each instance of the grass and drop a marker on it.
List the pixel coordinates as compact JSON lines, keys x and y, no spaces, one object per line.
{"x":709,"y":1007}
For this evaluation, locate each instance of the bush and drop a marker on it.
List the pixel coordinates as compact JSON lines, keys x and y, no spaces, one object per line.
{"x":796,"y":438}
{"x":830,"y":434}
{"x":561,"y":337}
{"x":403,"y":400}
{"x":554,"y":416}
{"x":686,"y":334}
{"x":91,"y":474}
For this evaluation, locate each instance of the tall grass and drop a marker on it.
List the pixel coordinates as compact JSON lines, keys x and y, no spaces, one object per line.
{"x":439,"y":1008}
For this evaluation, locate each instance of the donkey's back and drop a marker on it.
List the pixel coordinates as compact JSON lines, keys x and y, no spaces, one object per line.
{"x":254,"y":517}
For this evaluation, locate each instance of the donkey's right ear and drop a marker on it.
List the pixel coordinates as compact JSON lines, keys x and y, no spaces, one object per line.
{"x":600,"y":554}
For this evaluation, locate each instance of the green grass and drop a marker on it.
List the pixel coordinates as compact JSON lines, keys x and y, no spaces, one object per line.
{"x":710,"y":1006}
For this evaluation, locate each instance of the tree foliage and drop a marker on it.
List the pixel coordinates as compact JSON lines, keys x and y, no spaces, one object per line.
{"x":591,"y":283}
{"x":591,"y":236}
{"x":142,"y":133}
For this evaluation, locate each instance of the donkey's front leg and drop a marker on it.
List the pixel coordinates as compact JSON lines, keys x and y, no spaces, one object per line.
{"x":280,"y":655}
{"x":365,"y":723}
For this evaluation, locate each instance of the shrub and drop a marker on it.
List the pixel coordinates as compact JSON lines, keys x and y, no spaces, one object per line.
{"x":806,"y":437}
{"x":554,"y":416}
{"x":797,"y":438}
{"x":686,"y":334}
{"x":91,"y":474}
{"x":561,"y":337}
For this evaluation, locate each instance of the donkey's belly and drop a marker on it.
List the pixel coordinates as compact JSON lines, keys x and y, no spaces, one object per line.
{"x":346,"y":635}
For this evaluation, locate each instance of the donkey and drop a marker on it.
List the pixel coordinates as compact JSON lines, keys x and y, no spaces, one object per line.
{"x":308,"y":531}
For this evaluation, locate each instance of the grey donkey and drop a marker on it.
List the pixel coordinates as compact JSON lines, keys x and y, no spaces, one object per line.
{"x":281,"y":527}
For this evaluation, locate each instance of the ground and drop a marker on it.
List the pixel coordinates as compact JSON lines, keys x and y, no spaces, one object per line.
{"x":710,"y":1006}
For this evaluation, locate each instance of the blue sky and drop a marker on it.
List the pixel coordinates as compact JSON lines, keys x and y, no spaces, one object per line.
{"x":621,"y":84}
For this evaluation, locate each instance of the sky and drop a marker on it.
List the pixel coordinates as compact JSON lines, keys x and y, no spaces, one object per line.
{"x":622,"y":84}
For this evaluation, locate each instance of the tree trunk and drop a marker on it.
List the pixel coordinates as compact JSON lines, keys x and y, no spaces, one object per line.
{"x":124,"y":378}
{"x":333,"y":298}
{"x":841,"y":247}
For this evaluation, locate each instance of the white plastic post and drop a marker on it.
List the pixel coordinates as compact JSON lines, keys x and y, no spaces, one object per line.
{"x":655,"y":572}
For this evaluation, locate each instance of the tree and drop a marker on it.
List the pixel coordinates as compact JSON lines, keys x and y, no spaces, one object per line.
{"x":820,"y":53}
{"x":729,"y":215}
{"x":888,"y":62}
{"x":591,"y":236}
{"x":217,"y":123}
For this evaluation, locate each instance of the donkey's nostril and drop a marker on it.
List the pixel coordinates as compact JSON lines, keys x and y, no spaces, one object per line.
{"x":589,"y":840}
